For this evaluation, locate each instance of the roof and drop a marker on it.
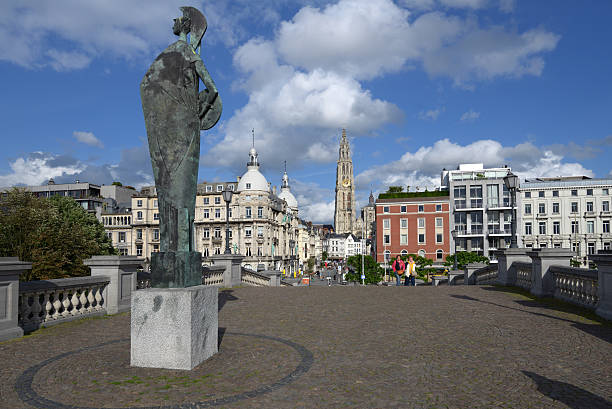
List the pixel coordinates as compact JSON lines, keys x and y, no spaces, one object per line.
{"x":288,"y":197}
{"x":431,"y":195}
{"x":564,"y":183}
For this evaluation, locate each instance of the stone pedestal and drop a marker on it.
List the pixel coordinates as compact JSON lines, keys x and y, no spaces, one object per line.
{"x":543,"y":284}
{"x":468,"y":277}
{"x":122,"y":273}
{"x":176,"y":269}
{"x":10,"y":269}
{"x":603,"y":259}
{"x":275,"y":277}
{"x":174,"y":328}
{"x":506,"y":274}
{"x":232,"y":276}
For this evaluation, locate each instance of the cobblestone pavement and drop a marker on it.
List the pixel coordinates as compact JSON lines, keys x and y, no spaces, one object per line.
{"x":370,"y":347}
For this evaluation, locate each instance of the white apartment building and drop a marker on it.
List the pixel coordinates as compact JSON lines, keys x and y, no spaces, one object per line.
{"x":481,"y":211}
{"x":568,"y":212}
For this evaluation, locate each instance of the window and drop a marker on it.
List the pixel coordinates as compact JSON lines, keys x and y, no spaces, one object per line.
{"x":421,"y":238}
{"x":404,"y":223}
{"x":421,"y":223}
{"x":122,"y":236}
{"x":574,"y":207}
{"x":439,"y":255}
{"x":206,"y":233}
{"x":589,"y":206}
{"x":556,"y":228}
{"x":260,"y":212}
{"x":205,"y":253}
{"x":574,"y":192}
{"x":248,"y":185}
{"x":248,"y":212}
{"x":439,"y":222}
{"x":542,"y":245}
{"x":217,"y":250}
{"x":206,"y":213}
{"x":527,"y":195}
{"x":528,"y":229}
{"x":387,"y":254}
{"x":230,"y":187}
{"x":217,"y":233}
{"x":139,"y":249}
{"x":527,"y":208}
{"x":387,"y":239}
{"x":247,"y":232}
{"x":606,"y":245}
{"x":385,"y":209}
{"x":208,"y":188}
{"x":575,"y":247}
{"x":438,"y":208}
{"x":229,"y":212}
{"x":229,"y":233}
{"x":605,"y":191}
{"x":260,"y":231}
{"x":541,"y":208}
{"x":555,"y":193}
{"x":386,"y":223}
{"x":555,"y":209}
{"x":206,"y":200}
{"x":541,"y":193}
{"x":155,"y":204}
{"x":422,"y":253}
{"x":542,"y":227}
{"x":156,"y":248}
{"x":574,"y":227}
{"x":219,"y":188}
{"x":589,"y":192}
{"x":421,"y":208}
{"x":439,"y":238}
{"x":605,"y":206}
{"x":138,"y":234}
{"x":139,"y":203}
{"x":403,"y":209}
{"x":139,"y":215}
{"x":605,"y":227}
{"x":590,"y":226}
{"x":217,"y":200}
{"x":591,"y":247}
{"x":109,"y":235}
{"x":217,"y":213}
{"x":403,"y":239}
{"x":155,"y":216}
{"x":259,"y":251}
{"x":123,"y":252}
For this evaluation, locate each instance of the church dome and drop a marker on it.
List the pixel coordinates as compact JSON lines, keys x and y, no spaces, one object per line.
{"x":253,"y":180}
{"x":286,"y":194}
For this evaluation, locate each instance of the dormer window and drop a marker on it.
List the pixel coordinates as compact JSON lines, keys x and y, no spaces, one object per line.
{"x":219,"y":188}
{"x":248,"y":185}
{"x":230,"y":187}
{"x":208,"y":188}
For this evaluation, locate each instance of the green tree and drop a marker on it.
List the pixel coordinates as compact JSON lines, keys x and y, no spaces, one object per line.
{"x":373,"y":272}
{"x":324,"y":256}
{"x":464,"y":258}
{"x":395,"y":189}
{"x":423,"y":265}
{"x":310,"y":265}
{"x":117,"y":183}
{"x":55,"y":234}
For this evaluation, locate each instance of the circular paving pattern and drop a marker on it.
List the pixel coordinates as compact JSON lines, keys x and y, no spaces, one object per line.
{"x":247,"y":365}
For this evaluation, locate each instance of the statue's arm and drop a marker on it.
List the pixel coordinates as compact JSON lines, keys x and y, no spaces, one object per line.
{"x":207,"y":80}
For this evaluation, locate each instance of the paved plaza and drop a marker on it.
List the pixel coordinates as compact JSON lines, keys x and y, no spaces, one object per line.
{"x":334,"y":347}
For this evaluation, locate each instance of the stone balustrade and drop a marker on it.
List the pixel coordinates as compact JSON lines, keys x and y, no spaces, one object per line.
{"x":213,"y":276}
{"x":522,"y":275}
{"x":486,"y":275}
{"x":576,"y":285}
{"x":46,"y":302}
{"x":255,"y":279}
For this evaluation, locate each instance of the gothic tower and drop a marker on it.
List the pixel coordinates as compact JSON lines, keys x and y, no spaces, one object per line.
{"x":344,"y":216}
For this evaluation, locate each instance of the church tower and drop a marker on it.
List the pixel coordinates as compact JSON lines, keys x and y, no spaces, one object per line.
{"x":344,"y":216}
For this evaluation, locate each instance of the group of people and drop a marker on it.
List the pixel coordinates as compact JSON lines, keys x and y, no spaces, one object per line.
{"x":407,"y":270}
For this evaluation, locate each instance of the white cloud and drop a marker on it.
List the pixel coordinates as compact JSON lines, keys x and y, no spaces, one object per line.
{"x":507,"y":6}
{"x":471,"y":4}
{"x":470,"y":116}
{"x":37,"y":168}
{"x":313,"y":201}
{"x":66,"y":61}
{"x":431,"y":114}
{"x":87,"y":138}
{"x":423,"y":167}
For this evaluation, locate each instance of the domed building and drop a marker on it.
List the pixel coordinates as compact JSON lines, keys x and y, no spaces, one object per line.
{"x":253,"y":181}
{"x":287,"y":196}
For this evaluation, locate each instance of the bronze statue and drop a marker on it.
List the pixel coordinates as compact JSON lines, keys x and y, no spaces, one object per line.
{"x":175,"y":112}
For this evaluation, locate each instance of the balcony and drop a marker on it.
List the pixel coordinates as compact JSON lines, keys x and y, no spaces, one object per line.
{"x":605,"y":213}
{"x":496,"y":203}
{"x":590,"y":213}
{"x":476,"y":203}
{"x":474,"y":231}
{"x":498,"y":231}
{"x":541,"y":215}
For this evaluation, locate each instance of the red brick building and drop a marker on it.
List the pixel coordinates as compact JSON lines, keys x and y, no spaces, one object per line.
{"x":413,"y":223}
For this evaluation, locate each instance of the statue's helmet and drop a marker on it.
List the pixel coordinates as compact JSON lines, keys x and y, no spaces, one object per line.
{"x":198,"y":24}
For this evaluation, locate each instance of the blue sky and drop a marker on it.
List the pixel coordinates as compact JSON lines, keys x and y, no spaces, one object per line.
{"x":418,"y":84}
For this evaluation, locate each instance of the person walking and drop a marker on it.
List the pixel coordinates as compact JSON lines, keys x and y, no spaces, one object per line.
{"x":398,"y":267}
{"x":410,"y":272}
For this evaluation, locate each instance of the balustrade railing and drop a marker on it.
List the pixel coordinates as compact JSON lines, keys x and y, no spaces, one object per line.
{"x":48,"y":302}
{"x":523,"y":274}
{"x":254,"y":279}
{"x":213,"y":276}
{"x":576,"y":285}
{"x":486,"y":274}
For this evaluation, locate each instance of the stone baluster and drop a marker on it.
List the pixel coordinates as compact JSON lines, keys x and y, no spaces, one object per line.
{"x":543,"y":283}
{"x":232,"y":275}
{"x":10,"y":269}
{"x":506,"y":274}
{"x":603,"y":259}
{"x":468,"y":277}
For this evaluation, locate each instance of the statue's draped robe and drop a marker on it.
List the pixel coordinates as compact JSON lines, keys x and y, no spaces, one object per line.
{"x":169,"y":93}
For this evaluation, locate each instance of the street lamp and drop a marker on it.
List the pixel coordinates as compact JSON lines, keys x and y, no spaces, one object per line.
{"x":511,"y":181}
{"x":227,"y":197}
{"x":454,"y":234}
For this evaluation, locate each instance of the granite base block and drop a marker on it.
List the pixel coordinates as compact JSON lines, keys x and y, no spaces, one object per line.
{"x":174,"y":328}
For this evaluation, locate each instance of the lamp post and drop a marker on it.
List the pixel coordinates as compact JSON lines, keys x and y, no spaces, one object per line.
{"x":454,"y":234}
{"x":227,"y":197}
{"x":511,"y":182}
